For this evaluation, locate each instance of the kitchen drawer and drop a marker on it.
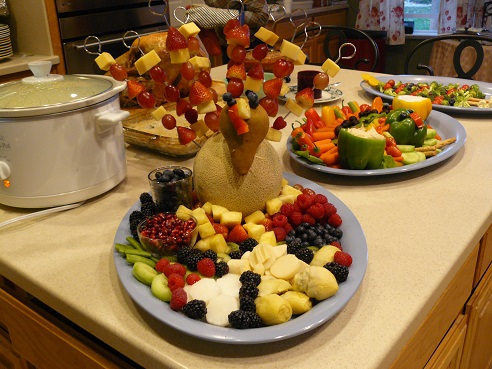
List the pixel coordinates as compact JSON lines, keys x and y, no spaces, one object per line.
{"x":485,"y":255}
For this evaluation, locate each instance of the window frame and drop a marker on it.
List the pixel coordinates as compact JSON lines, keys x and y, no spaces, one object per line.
{"x":433,"y":16}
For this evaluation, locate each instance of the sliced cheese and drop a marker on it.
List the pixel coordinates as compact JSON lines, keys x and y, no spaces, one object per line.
{"x":147,"y":61}
{"x":189,"y":30}
{"x":268,"y":37}
{"x":104,"y":61}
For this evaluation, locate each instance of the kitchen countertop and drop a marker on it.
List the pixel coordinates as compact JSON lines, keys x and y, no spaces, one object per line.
{"x":420,"y":226}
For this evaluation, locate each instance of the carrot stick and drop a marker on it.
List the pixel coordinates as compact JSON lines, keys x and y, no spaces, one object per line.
{"x":322,"y":142}
{"x":325,"y":147}
{"x":330,"y":128}
{"x":330,"y":159}
{"x":317,"y":135}
{"x":333,"y":150}
{"x":398,"y":158}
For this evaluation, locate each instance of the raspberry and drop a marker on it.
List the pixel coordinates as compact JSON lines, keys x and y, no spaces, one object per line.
{"x":161,"y":265}
{"x":334,"y":220}
{"x":279,"y":123}
{"x":307,"y":218}
{"x":206,"y":267}
{"x":280,"y":233}
{"x":320,"y":199}
{"x":342,"y":258}
{"x":174,"y":268}
{"x":305,"y":201}
{"x":308,"y":191}
{"x":296,"y":207}
{"x":287,"y":209}
{"x":192,"y":278}
{"x":179,"y":298}
{"x":329,"y":209}
{"x":174,"y":281}
{"x":317,"y":210}
{"x":279,"y":220}
{"x":336,"y":244}
{"x":295,"y":218}
{"x":267,"y":223}
{"x":288,"y":228}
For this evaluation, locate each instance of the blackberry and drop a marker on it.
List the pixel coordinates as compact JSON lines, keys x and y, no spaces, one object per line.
{"x":240,"y":319}
{"x":221,"y":268}
{"x":250,"y":277}
{"x":294,"y":246}
{"x":247,"y":303}
{"x":248,"y":245}
{"x":145,"y":198}
{"x":305,"y":255}
{"x":135,"y":218}
{"x":340,"y":272}
{"x":193,"y":258}
{"x":211,"y":254}
{"x":148,"y":209}
{"x":182,"y":255}
{"x":235,"y":254}
{"x":248,"y":289}
{"x":195,"y":309}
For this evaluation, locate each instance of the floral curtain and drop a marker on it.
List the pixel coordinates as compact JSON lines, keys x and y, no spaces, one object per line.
{"x":456,"y":14}
{"x":383,"y":15}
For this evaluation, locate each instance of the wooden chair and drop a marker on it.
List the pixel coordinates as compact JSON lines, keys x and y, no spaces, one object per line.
{"x":465,"y":39}
{"x":335,"y":36}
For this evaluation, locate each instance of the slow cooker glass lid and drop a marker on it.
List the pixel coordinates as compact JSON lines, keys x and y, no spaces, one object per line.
{"x":19,"y":95}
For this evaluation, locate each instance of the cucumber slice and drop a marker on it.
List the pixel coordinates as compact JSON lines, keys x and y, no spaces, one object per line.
{"x":410,"y":157}
{"x":406,"y":148}
{"x":421,"y":155}
{"x":160,"y":289}
{"x":431,"y":133}
{"x":430,"y":142}
{"x":132,"y":259}
{"x":144,"y":273}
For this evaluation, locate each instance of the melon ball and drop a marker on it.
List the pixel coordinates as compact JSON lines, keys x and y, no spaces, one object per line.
{"x":217,"y":182}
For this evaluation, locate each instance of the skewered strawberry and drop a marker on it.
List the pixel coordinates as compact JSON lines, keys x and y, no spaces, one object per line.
{"x":177,"y":45}
{"x":305,"y":98}
{"x":239,"y":36}
{"x":236,"y":71}
{"x":272,"y":87}
{"x":185,"y":135}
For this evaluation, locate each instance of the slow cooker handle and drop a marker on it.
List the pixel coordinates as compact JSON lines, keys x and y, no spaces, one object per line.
{"x":108,"y":120}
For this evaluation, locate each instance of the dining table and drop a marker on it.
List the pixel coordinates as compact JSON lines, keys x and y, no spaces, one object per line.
{"x":419,"y":226}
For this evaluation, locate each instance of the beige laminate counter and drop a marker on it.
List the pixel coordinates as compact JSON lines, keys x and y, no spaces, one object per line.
{"x":420,"y":227}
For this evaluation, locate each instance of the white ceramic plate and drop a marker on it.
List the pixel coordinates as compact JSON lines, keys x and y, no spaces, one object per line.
{"x":328,"y":95}
{"x":353,"y":241}
{"x":446,"y":127}
{"x":485,"y":87}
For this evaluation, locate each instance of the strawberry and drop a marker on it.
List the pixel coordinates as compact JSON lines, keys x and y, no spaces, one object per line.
{"x":317,"y":211}
{"x":179,"y":298}
{"x":237,"y":234}
{"x":221,"y":229}
{"x":280,"y":233}
{"x":279,"y":123}
{"x":182,"y":105}
{"x":272,"y":87}
{"x":305,"y":98}
{"x":231,"y":24}
{"x":199,"y":94}
{"x":236,"y":71}
{"x":185,"y":135}
{"x":174,"y":281}
{"x":238,"y":36}
{"x":134,"y":88}
{"x":161,"y":265}
{"x":267,"y":223}
{"x":192,"y":278}
{"x":206,"y":267}
{"x":174,"y":268}
{"x":175,"y":40}
{"x":342,"y":258}
{"x":335,"y":220}
{"x":256,"y":71}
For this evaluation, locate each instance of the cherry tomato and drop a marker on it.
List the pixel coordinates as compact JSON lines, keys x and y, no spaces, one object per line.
{"x":393,"y":151}
{"x":387,"y":86}
{"x":364,"y":107}
{"x":391,"y":82}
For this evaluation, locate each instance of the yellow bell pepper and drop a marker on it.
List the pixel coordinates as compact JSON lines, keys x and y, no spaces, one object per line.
{"x":328,"y":115}
{"x":420,"y":105}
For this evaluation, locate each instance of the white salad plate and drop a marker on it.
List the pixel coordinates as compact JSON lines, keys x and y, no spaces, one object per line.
{"x":353,"y":241}
{"x":327,"y":95}
{"x":485,"y":87}
{"x":445,"y":126}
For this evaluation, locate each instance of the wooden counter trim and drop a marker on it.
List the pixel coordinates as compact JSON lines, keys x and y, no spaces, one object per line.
{"x":417,"y":352}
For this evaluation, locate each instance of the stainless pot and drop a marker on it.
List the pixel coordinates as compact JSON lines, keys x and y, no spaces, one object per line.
{"x":61,"y":138}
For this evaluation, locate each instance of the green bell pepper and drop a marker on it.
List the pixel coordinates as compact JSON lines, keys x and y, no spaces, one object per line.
{"x":403,"y":128}
{"x":360,"y":149}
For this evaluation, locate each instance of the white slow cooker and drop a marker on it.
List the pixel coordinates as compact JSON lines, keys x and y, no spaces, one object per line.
{"x":61,"y":138}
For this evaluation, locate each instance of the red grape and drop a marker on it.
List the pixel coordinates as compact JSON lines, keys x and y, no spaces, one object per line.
{"x":281,"y":68}
{"x":235,"y":87}
{"x":168,"y":121}
{"x":193,"y":45}
{"x":215,"y":96}
{"x":157,"y":74}
{"x":321,"y":81}
{"x":204,"y":78}
{"x":238,"y":53}
{"x":146,"y":100}
{"x":118,"y":72}
{"x":260,"y":51}
{"x":172,"y":93}
{"x":212,"y":121}
{"x":191,"y":116}
{"x":187,"y":71}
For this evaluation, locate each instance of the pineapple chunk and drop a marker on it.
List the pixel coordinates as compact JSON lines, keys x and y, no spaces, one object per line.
{"x":284,"y":182}
{"x":158,"y":113}
{"x":285,"y":89}
{"x":203,"y":244}
{"x":252,"y":84}
{"x":207,"y":207}
{"x":147,"y":61}
{"x":231,"y":218}
{"x":255,"y":217}
{"x":289,"y":190}
{"x":200,"y":62}
{"x":287,"y":199}
{"x":290,"y":50}
{"x":217,"y":212}
{"x":104,"y":61}
{"x":206,"y":107}
{"x":238,"y":266}
{"x":255,"y":231}
{"x":273,"y":205}
{"x":243,"y":109}
{"x":268,"y":37}
{"x":179,"y":56}
{"x":330,"y":67}
{"x":294,"y":107}
{"x":199,"y":127}
{"x":206,"y":230}
{"x":200,"y":216}
{"x":273,"y":135}
{"x":268,"y":238}
{"x":219,"y":244}
{"x":184,"y":209}
{"x":189,"y":30}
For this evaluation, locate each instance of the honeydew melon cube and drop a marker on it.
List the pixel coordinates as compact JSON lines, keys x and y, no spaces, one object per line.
{"x":147,"y":61}
{"x":273,"y":135}
{"x":206,"y":230}
{"x":255,"y":217}
{"x":255,"y":231}
{"x":206,"y":107}
{"x":158,"y":113}
{"x":179,"y":56}
{"x":231,"y":218}
{"x":203,"y":244}
{"x":289,"y":190}
{"x":217,"y":212}
{"x":219,"y":244}
{"x":189,"y":29}
{"x":273,"y":205}
{"x":268,"y":238}
{"x":200,"y":216}
{"x":104,"y":61}
{"x":252,"y":84}
{"x":207,"y":207}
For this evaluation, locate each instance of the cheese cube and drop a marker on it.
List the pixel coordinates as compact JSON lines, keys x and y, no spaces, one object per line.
{"x":273,"y":135}
{"x":290,"y":50}
{"x":252,"y":84}
{"x":189,"y":30}
{"x":330,"y":68}
{"x":301,"y":59}
{"x":199,"y":127}
{"x":200,"y":62}
{"x":206,"y":107}
{"x":268,"y":37}
{"x":147,"y":61}
{"x":294,"y":107}
{"x":158,"y":113}
{"x":104,"y":61}
{"x":179,"y":56}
